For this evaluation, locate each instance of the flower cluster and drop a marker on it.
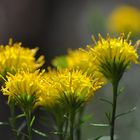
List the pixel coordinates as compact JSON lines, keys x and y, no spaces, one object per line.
{"x":70,"y":87}
{"x":24,"y":88}
{"x":14,"y":57}
{"x":112,"y":56}
{"x":65,"y":89}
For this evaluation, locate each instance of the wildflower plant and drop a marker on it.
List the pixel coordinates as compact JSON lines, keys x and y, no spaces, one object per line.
{"x":65,"y":90}
{"x":72,"y":90}
{"x":112,"y":57}
{"x":79,"y":60}
{"x":24,"y":89}
{"x":14,"y":57}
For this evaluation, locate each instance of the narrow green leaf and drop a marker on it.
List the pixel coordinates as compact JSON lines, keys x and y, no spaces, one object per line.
{"x":105,"y":100}
{"x":20,"y":116}
{"x":97,"y":138}
{"x":4,"y":123}
{"x":40,"y":133}
{"x":121,"y":90}
{"x":99,"y":125}
{"x":108,"y":116}
{"x":32,"y":121}
{"x":103,"y":138}
{"x":21,"y":127}
{"x":125,"y":113}
{"x":56,"y":133}
{"x":107,"y":137}
{"x":22,"y":133}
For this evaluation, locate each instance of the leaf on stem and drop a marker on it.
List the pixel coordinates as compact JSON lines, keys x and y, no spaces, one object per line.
{"x":125,"y":113}
{"x":108,"y":116}
{"x":22,"y":133}
{"x":121,"y":90}
{"x":4,"y":123}
{"x":32,"y":121}
{"x":97,"y":138}
{"x":40,"y":133}
{"x":20,"y":116}
{"x":103,"y":138}
{"x":99,"y":125}
{"x":105,"y":100}
{"x":21,"y":127}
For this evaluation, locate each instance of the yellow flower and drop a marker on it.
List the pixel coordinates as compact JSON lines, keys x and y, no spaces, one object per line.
{"x":14,"y":57}
{"x":113,"y":56}
{"x":24,"y":88}
{"x":124,"y":19}
{"x":78,"y":59}
{"x":75,"y":59}
{"x":49,"y":95}
{"x":69,"y":87}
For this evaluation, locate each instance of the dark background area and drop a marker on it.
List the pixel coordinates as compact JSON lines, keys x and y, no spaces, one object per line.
{"x":56,"y":25}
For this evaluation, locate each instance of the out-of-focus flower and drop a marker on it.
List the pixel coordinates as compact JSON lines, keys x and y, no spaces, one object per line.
{"x":14,"y":57}
{"x":113,"y":56}
{"x":24,"y":88}
{"x":78,"y":59}
{"x":75,"y":59}
{"x":124,"y":19}
{"x":71,"y":88}
{"x":60,"y":62}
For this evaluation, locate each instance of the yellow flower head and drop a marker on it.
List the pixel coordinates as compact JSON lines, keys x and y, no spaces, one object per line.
{"x":124,"y":19}
{"x":24,"y":88}
{"x":70,"y":87}
{"x":49,"y":95}
{"x":14,"y":57}
{"x":78,"y":59}
{"x":74,"y":59}
{"x":113,"y":56}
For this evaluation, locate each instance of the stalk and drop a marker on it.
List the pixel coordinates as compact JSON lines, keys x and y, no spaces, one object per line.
{"x":61,"y":137}
{"x":115,"y":90}
{"x":78,"y":131}
{"x":72,"y":120}
{"x":13,"y":120}
{"x":29,"y":127}
{"x":66,"y":126}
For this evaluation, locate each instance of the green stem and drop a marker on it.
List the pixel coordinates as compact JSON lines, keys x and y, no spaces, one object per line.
{"x":29,"y":127}
{"x":66,"y":126}
{"x":61,"y":132}
{"x":72,"y":120}
{"x":112,"y":123}
{"x":78,"y":131}
{"x":13,"y":120}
